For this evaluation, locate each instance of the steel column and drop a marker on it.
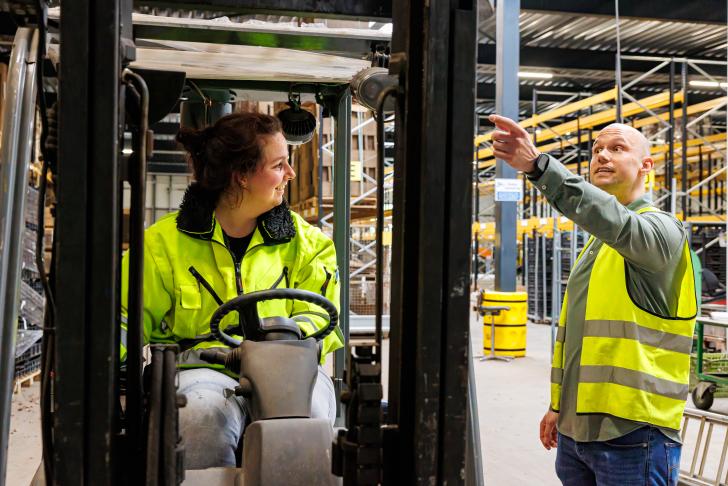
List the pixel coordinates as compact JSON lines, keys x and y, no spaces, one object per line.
{"x":670,"y":160}
{"x":19,"y":117}
{"x":342,"y":216}
{"x":507,"y":44}
{"x":433,"y":47}
{"x":88,"y":251}
{"x":618,"y":63}
{"x":320,"y":169}
{"x":684,"y":140}
{"x":476,"y":219}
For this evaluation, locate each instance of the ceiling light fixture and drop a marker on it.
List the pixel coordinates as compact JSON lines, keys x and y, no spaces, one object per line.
{"x":298,"y":124}
{"x":706,"y":84}
{"x":534,"y":75}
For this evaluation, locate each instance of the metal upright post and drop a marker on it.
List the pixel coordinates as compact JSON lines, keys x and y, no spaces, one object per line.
{"x":684,"y":140}
{"x":342,"y":215}
{"x":476,"y":240}
{"x":88,"y":249}
{"x":534,"y":135}
{"x":360,"y":152}
{"x":428,"y":397}
{"x":537,"y":260}
{"x":670,"y":163}
{"x":618,"y":63}
{"x":17,"y":136}
{"x":320,"y":171}
{"x":507,"y":51}
{"x":578,"y":138}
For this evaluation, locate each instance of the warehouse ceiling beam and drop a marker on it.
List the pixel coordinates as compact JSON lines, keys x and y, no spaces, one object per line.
{"x":566,"y":109}
{"x":703,"y":107}
{"x":340,"y":9}
{"x":700,"y":11}
{"x":583,"y":59}
{"x":486,"y":91}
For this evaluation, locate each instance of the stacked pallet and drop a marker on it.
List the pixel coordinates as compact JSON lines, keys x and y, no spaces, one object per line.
{"x":539,"y":265}
{"x":32,"y":300}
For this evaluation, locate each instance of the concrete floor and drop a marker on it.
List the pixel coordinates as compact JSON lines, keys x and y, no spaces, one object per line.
{"x":24,"y":449}
{"x":512,"y":398}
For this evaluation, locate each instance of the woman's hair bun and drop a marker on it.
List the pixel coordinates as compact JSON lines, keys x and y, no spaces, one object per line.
{"x":193,"y":140}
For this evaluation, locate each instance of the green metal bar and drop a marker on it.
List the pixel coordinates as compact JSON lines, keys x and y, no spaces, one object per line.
{"x":342,"y":213}
{"x":699,"y":327}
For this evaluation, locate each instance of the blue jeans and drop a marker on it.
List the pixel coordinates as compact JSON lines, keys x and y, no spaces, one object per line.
{"x":212,"y":424}
{"x":645,"y":457}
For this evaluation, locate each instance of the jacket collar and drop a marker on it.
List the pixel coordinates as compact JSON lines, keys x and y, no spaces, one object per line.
{"x":196,"y":217}
{"x":639,"y":203}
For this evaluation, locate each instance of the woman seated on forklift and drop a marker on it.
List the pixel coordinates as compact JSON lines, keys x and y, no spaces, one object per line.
{"x":233,"y":233}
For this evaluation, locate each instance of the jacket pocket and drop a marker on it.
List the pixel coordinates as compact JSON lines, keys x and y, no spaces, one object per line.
{"x":187,"y":312}
{"x":190,"y":297}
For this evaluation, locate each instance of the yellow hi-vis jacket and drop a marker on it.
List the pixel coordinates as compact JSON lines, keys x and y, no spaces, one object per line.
{"x":285,"y":251}
{"x":634,"y":364}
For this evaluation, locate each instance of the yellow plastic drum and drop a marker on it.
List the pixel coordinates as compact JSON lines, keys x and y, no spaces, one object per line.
{"x":510,"y":326}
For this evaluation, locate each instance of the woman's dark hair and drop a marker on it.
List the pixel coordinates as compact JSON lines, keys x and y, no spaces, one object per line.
{"x":232,"y":145}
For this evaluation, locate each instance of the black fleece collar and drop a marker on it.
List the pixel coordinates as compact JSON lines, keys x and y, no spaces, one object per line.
{"x":196,"y":217}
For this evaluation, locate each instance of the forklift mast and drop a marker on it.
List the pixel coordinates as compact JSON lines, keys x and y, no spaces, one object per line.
{"x":433,"y":53}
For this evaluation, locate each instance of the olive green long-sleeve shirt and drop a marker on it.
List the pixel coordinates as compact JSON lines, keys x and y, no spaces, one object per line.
{"x":651,"y":244}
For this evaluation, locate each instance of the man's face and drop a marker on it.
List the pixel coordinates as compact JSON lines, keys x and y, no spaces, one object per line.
{"x":617,"y":160}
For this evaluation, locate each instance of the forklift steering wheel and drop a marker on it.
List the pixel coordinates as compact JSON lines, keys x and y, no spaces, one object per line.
{"x":242,"y":302}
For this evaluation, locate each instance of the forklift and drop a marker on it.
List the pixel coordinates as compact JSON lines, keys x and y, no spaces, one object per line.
{"x":94,"y":435}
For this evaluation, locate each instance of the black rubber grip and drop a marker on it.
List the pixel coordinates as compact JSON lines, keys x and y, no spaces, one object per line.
{"x":213,"y":356}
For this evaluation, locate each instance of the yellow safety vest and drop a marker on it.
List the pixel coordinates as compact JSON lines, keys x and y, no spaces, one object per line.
{"x":634,"y":363}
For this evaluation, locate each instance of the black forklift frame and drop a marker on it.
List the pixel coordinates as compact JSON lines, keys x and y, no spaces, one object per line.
{"x":433,"y":50}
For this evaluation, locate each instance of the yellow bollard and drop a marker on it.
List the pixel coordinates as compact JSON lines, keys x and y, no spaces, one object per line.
{"x":510,"y":325}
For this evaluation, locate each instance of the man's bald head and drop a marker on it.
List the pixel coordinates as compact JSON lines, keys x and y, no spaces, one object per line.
{"x":620,"y":161}
{"x":635,"y":137}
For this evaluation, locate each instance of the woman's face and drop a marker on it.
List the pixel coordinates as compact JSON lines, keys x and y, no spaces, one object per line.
{"x":264,"y":188}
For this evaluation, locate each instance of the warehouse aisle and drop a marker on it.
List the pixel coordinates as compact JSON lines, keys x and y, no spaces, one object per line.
{"x":512,"y":398}
{"x":25,"y":446}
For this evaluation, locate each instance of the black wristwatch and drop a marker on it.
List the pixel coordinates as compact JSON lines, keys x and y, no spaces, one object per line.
{"x":539,"y":167}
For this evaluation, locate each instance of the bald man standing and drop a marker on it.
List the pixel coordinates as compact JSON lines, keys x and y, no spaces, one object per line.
{"x":620,"y":370}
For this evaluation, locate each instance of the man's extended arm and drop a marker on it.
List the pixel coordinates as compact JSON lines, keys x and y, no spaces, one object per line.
{"x":648,"y":240}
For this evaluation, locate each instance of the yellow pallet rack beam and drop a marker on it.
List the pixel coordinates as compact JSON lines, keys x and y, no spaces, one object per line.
{"x":596,"y":119}
{"x":545,"y":226}
{"x":566,"y":109}
{"x":642,"y":122}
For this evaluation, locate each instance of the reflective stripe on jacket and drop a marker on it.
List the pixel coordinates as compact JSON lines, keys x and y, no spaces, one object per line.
{"x":634,"y":364}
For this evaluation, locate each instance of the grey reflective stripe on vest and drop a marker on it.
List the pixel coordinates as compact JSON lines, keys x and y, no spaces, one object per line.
{"x":633,"y":379}
{"x":557,"y":375}
{"x":560,"y":333}
{"x":641,"y":334}
{"x":305,"y":319}
{"x":122,"y":336}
